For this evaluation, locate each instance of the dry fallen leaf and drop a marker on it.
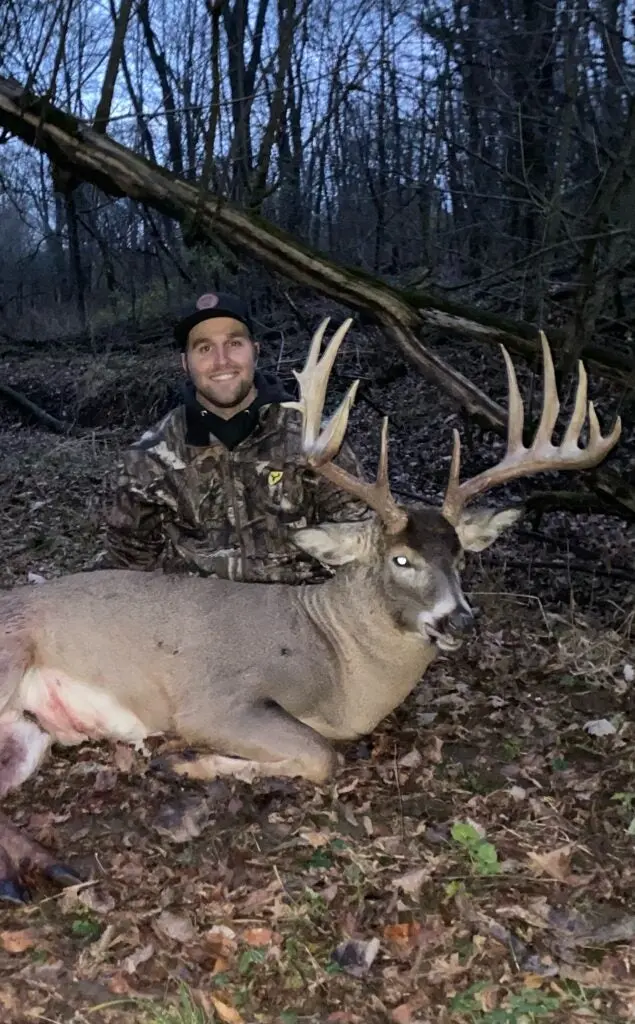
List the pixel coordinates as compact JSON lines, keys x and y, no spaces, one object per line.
{"x":432,"y":751}
{"x":554,"y":863}
{"x":445,"y":969}
{"x":410,"y":760}
{"x":18,"y":941}
{"x":258,"y":936}
{"x":221,"y":941}
{"x":139,"y":956}
{"x":119,"y":985}
{"x":600,"y":727}
{"x":86,"y":895}
{"x":403,"y":935}
{"x":487,"y":998}
{"x":315,"y":839}
{"x":401,"y":1014}
{"x":182,"y":819}
{"x":411,"y":882}
{"x":123,"y":757}
{"x":355,"y":956}
{"x":175,"y":926}
{"x":228,"y":1014}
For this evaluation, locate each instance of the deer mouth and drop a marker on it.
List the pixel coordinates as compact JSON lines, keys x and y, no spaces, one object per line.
{"x":444,"y":641}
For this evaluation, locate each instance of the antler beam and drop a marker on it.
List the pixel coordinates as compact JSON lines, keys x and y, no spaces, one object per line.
{"x":542,"y":455}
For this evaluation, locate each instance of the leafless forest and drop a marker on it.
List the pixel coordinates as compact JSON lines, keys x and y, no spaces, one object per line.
{"x":455,"y":175}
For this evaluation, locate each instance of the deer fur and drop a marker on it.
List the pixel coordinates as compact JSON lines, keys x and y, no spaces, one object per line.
{"x":266,"y":673}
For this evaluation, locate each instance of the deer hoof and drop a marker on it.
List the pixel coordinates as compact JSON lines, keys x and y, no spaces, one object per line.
{"x":13,"y":891}
{"x":62,"y":875}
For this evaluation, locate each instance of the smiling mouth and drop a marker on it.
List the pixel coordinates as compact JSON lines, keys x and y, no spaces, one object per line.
{"x":221,"y":377}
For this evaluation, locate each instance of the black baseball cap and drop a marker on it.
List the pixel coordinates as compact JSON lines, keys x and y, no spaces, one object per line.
{"x":208,"y":306}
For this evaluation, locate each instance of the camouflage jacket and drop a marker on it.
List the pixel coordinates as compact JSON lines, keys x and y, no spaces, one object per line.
{"x":203,"y":507}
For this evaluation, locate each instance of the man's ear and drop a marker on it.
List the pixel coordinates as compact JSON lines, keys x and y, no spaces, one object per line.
{"x":480,"y":528}
{"x":184,"y":361}
{"x":337,"y":543}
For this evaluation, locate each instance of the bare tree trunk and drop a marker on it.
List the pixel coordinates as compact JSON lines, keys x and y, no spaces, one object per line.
{"x":102,"y":114}
{"x":286,"y":25}
{"x":163,"y":74}
{"x":242,"y":78}
{"x":72,"y":223}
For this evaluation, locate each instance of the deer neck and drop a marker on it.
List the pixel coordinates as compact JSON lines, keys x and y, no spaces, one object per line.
{"x":353,"y":614}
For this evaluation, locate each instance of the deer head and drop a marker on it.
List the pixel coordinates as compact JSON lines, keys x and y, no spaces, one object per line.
{"x":417,"y":552}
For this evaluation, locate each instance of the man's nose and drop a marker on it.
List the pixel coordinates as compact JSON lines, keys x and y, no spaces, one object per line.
{"x":220,"y":358}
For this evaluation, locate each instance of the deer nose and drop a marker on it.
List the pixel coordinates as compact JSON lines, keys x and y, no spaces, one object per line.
{"x":459,"y":621}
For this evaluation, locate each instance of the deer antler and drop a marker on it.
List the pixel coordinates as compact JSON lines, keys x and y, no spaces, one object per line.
{"x":542,"y":455}
{"x":321,"y":445}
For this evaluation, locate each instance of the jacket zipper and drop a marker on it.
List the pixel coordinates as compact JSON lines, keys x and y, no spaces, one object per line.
{"x":234,"y":504}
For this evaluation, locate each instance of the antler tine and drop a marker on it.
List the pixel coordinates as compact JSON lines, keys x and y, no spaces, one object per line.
{"x":542,"y":455}
{"x":515,"y":406}
{"x":313,"y":381}
{"x":321,"y":444}
{"x":550,"y":400}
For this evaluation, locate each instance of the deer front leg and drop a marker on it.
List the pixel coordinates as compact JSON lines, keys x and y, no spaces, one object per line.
{"x":257,"y":740}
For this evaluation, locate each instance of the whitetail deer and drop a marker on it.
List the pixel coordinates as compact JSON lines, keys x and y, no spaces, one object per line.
{"x":262,"y":678}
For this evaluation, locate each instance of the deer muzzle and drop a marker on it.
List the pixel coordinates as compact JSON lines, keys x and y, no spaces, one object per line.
{"x":449,"y":631}
{"x":458,"y":623}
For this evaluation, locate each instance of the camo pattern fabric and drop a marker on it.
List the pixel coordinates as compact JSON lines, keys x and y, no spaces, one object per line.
{"x":220,"y":512}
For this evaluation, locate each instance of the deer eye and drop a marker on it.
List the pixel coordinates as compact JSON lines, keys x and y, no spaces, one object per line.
{"x":402,"y":562}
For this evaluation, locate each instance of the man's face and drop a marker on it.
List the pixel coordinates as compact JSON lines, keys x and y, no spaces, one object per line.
{"x":221,"y":360}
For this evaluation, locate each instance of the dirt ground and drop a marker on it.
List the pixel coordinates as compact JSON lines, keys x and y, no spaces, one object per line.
{"x":474,"y":861}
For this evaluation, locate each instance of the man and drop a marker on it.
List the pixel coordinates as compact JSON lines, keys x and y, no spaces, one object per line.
{"x":218,"y":486}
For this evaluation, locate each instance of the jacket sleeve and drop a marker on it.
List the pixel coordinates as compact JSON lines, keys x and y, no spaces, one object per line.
{"x":135,"y":537}
{"x":335,"y":505}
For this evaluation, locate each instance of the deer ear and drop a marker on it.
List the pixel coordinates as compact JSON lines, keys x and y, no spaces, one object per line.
{"x":478,"y":529}
{"x":337,"y":543}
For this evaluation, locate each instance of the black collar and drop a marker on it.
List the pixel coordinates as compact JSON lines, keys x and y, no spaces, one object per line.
{"x":204,"y":427}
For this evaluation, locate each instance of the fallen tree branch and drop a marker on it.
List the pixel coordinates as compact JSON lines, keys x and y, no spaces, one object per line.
{"x":576,"y":502}
{"x":553,"y":566}
{"x":43,"y":417}
{"x":116,"y":170}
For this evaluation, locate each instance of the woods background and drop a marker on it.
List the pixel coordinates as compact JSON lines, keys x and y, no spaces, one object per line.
{"x":454,"y":174}
{"x":447,"y":171}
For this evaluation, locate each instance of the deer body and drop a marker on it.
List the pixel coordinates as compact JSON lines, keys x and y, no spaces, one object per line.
{"x":153,"y":654}
{"x":263,"y":676}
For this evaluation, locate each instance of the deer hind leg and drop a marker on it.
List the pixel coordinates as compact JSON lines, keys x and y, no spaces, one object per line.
{"x":261,"y":740}
{"x":23,"y":747}
{"x":19,"y":856}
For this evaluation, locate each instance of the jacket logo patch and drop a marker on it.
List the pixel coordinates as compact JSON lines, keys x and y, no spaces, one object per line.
{"x":275,"y":476}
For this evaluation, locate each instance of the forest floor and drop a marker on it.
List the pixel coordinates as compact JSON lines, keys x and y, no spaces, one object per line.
{"x":473,"y":861}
